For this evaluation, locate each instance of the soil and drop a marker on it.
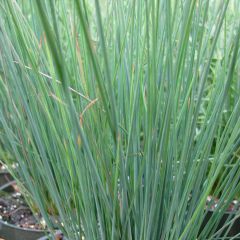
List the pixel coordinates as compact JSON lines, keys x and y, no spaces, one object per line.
{"x":212,"y":202}
{"x":2,"y":167}
{"x":14,"y":210}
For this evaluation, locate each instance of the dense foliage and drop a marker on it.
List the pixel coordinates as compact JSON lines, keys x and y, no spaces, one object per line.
{"x":123,"y":116}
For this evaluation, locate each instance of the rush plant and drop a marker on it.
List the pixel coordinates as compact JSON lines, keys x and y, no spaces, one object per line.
{"x":113,"y":111}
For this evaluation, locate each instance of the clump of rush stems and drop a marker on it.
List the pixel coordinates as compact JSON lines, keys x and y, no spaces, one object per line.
{"x":122,"y":115}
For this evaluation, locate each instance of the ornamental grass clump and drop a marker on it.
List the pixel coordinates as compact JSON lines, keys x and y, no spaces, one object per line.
{"x":113,"y":111}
